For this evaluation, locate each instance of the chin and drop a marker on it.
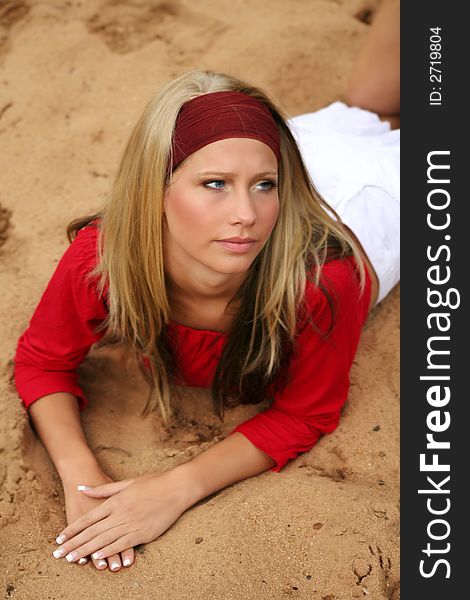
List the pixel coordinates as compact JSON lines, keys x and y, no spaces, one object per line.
{"x":232,"y":267}
{"x":233,"y":270}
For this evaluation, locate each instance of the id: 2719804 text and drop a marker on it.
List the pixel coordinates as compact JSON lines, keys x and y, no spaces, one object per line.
{"x":435,"y":62}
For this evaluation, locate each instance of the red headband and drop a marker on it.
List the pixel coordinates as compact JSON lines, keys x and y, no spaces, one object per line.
{"x":220,"y":115}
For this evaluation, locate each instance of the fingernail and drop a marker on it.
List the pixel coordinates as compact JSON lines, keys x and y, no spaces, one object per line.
{"x":126,"y":562}
{"x":71,"y":556}
{"x":102,"y":563}
{"x":61,"y":539}
{"x":114,"y":566}
{"x":97,"y":555}
{"x":83,"y":488}
{"x":58,"y":553}
{"x":82,"y":561}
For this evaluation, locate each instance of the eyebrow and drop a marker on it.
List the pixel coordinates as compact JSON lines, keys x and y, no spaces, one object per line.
{"x":227,"y":174}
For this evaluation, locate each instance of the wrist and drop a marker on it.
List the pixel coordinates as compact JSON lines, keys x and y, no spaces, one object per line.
{"x":73,"y":469}
{"x":191,"y":490}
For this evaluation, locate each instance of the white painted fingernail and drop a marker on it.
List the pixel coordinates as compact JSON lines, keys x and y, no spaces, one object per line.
{"x":102,"y":563}
{"x":71,"y":556}
{"x":114,"y":566}
{"x":126,"y":562}
{"x":82,"y":561}
{"x":82,"y":488}
{"x":61,"y":539}
{"x":58,"y":553}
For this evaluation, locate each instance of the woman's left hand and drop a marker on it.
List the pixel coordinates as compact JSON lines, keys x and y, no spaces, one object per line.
{"x":137,"y":511}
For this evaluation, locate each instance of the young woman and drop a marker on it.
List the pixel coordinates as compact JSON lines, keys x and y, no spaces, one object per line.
{"x":219,"y":263}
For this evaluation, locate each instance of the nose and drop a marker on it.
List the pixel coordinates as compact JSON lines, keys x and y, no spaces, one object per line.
{"x":242,"y":208}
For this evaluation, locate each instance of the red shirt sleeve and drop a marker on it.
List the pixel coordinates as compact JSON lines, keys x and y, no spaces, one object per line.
{"x":319,"y":373}
{"x":62,"y":328}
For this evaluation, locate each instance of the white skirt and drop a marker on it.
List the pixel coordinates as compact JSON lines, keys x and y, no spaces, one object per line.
{"x":353,"y":159}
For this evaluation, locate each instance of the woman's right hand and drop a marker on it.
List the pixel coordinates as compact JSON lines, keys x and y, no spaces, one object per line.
{"x":77,"y":504}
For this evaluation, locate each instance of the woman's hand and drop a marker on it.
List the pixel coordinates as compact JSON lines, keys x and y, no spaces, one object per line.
{"x":77,"y":504}
{"x":136,"y":511}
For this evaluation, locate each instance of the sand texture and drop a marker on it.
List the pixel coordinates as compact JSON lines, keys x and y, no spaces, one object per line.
{"x":74,"y":77}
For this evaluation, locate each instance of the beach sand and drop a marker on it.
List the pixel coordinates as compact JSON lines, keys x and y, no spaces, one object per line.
{"x":74,"y":77}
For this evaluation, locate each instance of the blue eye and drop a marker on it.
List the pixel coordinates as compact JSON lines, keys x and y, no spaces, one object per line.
{"x":206,"y":184}
{"x":272,"y":185}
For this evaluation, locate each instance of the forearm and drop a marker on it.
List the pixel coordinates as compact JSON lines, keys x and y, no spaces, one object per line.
{"x":56,"y":419}
{"x":229,"y":461}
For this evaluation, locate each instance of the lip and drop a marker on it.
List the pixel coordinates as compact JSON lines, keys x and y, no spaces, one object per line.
{"x":238,"y":240}
{"x":237,"y":247}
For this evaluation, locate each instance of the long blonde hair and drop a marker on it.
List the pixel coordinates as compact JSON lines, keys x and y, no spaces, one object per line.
{"x":131,"y":262}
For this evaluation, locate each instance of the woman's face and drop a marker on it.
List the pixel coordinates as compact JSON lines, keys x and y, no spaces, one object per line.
{"x":224,"y":190}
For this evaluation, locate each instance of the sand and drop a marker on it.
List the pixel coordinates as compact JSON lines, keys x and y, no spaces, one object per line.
{"x":74,"y":76}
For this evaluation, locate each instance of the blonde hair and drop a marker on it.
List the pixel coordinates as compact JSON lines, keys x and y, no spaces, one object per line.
{"x":131,"y":255}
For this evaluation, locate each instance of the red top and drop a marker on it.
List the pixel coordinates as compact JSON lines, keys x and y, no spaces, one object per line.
{"x":60,"y":334}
